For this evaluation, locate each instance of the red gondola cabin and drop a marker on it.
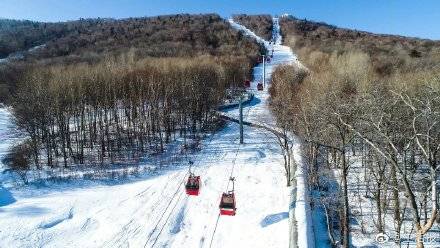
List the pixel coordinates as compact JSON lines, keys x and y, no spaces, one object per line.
{"x":227,"y":204}
{"x":192,"y":186}
{"x":260,"y":87}
{"x":247,"y":83}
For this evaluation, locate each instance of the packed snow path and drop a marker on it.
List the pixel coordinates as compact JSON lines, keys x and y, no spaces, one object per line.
{"x":154,"y":211}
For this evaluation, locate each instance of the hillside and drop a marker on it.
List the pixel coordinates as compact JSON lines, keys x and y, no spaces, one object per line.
{"x":16,"y":35}
{"x":146,"y":120}
{"x":388,"y":52}
{"x":130,"y":132}
{"x":173,"y":35}
{"x":368,"y":111}
{"x":92,"y":40}
{"x":261,"y":25}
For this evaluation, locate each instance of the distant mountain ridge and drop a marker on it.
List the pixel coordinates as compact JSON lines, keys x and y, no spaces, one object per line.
{"x":170,"y":35}
{"x":91,"y":41}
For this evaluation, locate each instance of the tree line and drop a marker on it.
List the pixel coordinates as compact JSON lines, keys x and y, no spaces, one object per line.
{"x":115,"y":111}
{"x":89,"y":40}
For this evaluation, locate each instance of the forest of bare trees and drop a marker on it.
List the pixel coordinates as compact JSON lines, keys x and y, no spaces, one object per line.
{"x":159,"y":36}
{"x":363,"y":113}
{"x":89,"y":40}
{"x":153,"y":81}
{"x":118,"y":109}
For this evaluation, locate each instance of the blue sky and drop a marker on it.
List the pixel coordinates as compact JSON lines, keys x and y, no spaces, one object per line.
{"x":418,"y":18}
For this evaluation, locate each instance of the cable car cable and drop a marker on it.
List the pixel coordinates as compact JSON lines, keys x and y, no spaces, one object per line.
{"x":180,"y":184}
{"x":227,"y":186}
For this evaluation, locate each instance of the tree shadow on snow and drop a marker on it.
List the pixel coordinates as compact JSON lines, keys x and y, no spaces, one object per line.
{"x":6,"y":197}
{"x":254,"y":101}
{"x":154,"y":168}
{"x":274,"y":218}
{"x":26,"y":211}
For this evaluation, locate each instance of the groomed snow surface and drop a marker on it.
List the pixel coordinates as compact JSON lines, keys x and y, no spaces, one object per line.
{"x":152,"y":210}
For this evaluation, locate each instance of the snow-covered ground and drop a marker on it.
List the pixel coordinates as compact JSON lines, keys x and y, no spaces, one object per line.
{"x":153,"y":209}
{"x":364,"y":214}
{"x":155,"y":212}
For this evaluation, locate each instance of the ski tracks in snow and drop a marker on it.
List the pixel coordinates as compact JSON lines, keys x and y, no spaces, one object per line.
{"x":172,"y":220}
{"x":133,"y":227}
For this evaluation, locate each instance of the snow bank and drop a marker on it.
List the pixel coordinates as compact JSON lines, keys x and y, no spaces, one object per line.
{"x":303,"y":214}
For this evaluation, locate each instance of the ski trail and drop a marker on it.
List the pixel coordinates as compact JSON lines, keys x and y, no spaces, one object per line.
{"x":283,"y":55}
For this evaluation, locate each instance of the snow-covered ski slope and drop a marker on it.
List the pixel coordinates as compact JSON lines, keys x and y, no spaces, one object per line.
{"x":154,"y":211}
{"x":282,"y":55}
